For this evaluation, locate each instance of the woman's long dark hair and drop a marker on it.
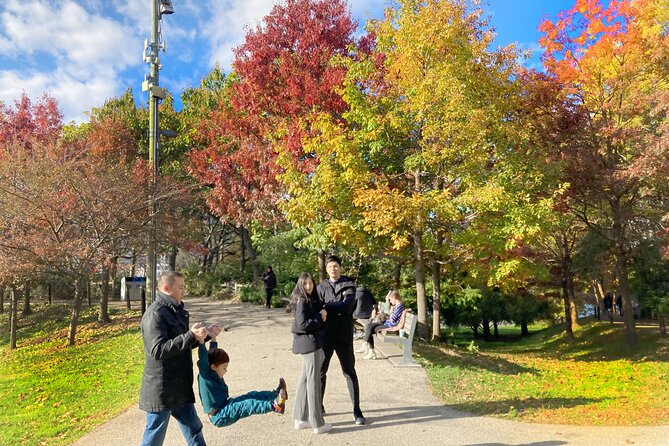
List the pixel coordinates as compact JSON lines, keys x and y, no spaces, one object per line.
{"x":300,"y":292}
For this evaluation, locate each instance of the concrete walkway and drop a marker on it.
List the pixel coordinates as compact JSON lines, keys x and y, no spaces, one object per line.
{"x":259,"y":342}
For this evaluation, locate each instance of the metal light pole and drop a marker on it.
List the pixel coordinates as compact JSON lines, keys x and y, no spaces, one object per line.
{"x":156,"y":94}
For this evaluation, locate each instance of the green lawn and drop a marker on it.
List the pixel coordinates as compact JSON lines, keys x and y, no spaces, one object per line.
{"x":51,"y":394}
{"x":541,"y":378}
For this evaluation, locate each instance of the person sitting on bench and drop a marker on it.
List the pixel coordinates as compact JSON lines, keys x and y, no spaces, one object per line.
{"x":393,"y":323}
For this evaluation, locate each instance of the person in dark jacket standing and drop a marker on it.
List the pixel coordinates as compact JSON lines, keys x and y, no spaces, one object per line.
{"x":167,"y":382}
{"x":338,"y":296}
{"x":269,"y":279}
{"x":308,"y":320}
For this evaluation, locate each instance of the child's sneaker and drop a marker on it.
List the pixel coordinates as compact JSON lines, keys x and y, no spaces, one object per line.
{"x":282,"y":385}
{"x":279,"y":405}
{"x":323,"y":429}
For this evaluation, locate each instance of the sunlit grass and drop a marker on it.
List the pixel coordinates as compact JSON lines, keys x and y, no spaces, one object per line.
{"x":542,"y":378}
{"x":51,"y":394}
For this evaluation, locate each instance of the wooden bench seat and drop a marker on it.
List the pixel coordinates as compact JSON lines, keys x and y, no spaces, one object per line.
{"x":387,"y":344}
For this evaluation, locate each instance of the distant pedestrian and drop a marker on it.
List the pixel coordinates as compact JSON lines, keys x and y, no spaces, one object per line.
{"x":619,"y":304}
{"x":608,"y":303}
{"x":167,"y":382}
{"x":269,"y":279}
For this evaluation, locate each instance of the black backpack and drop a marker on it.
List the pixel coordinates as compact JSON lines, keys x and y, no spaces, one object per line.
{"x":364,"y":303}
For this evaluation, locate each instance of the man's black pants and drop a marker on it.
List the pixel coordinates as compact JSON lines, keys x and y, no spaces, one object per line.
{"x":347,"y":362}
{"x":268,"y":297}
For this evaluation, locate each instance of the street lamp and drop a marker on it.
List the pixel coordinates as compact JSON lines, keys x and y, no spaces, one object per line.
{"x":156,"y":94}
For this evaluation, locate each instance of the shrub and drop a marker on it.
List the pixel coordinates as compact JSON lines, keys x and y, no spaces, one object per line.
{"x":251,"y":293}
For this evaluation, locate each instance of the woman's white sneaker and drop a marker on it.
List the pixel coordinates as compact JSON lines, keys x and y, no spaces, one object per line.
{"x":323,"y":429}
{"x":302,"y":425}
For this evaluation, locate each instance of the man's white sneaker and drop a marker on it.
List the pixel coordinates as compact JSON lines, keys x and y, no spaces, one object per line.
{"x":323,"y":429}
{"x":302,"y":425}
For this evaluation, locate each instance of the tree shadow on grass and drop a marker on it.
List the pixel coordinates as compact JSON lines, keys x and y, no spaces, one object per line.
{"x":593,"y":342}
{"x":441,"y":355}
{"x":521,"y":405}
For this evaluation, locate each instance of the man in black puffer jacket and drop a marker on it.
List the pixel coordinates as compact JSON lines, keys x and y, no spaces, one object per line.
{"x":167,"y":382}
{"x":338,"y":296}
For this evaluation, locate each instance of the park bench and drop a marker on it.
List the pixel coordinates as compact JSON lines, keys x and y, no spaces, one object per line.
{"x":387,"y":343}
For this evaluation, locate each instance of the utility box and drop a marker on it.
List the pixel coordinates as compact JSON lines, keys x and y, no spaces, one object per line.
{"x":132,"y":288}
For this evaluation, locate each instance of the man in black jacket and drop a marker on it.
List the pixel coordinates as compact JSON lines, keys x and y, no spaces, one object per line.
{"x":167,"y":382}
{"x":269,"y":279}
{"x":338,"y":296}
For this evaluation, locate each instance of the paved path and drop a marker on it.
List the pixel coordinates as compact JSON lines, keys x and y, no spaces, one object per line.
{"x":258,"y":341}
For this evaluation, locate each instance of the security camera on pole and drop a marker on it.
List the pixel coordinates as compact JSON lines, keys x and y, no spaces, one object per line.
{"x":156,"y":94}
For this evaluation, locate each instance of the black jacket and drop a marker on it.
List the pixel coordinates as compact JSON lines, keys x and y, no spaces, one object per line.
{"x":167,"y":382}
{"x":307,"y":325}
{"x":339,"y":300}
{"x":364,"y":303}
{"x":269,"y":279}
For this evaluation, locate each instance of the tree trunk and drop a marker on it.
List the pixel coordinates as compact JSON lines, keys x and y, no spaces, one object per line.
{"x":566,"y":268}
{"x":573,"y":313}
{"x":13,"y":315}
{"x":104,"y":299}
{"x":252,"y":256}
{"x":242,"y":250}
{"x":133,"y":265}
{"x":87,"y":284}
{"x":397,"y":276}
{"x":568,"y":331}
{"x":599,"y":297}
{"x":623,"y":285}
{"x":486,"y":330}
{"x":76,"y":310}
{"x":524,"y":331}
{"x":49,"y":293}
{"x":26,"y":299}
{"x":2,"y":300}
{"x":421,"y":299}
{"x":663,"y":324}
{"x":321,"y":265}
{"x":172,"y":259}
{"x":436,"y":297}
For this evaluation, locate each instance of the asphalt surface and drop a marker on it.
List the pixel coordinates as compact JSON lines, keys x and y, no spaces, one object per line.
{"x":258,"y":341}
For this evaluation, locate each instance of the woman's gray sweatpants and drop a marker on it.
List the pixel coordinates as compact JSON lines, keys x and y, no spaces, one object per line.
{"x":308,"y":397}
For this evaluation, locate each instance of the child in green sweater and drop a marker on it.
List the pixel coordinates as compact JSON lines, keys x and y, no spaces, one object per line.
{"x":223,"y":410}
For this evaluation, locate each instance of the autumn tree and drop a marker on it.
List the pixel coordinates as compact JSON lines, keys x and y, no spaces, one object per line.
{"x":427,"y":145}
{"x":282,"y":76}
{"x":602,"y":54}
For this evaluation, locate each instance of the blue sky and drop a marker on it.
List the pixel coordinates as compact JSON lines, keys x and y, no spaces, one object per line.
{"x":83,"y":52}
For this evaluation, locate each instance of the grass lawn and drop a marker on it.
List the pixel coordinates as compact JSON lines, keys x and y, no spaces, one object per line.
{"x":542,"y":379}
{"x":51,"y":394}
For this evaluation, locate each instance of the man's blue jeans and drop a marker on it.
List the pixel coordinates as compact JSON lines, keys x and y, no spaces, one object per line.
{"x":190,"y":424}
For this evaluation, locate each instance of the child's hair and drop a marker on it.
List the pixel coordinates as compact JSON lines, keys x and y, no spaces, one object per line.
{"x":218,"y":356}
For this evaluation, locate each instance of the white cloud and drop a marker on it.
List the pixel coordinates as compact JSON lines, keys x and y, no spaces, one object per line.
{"x":227,"y":25}
{"x":61,"y":48}
{"x":69,"y":34}
{"x":73,"y":95}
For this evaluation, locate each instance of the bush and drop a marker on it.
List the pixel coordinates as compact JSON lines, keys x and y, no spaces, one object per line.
{"x":251,"y":293}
